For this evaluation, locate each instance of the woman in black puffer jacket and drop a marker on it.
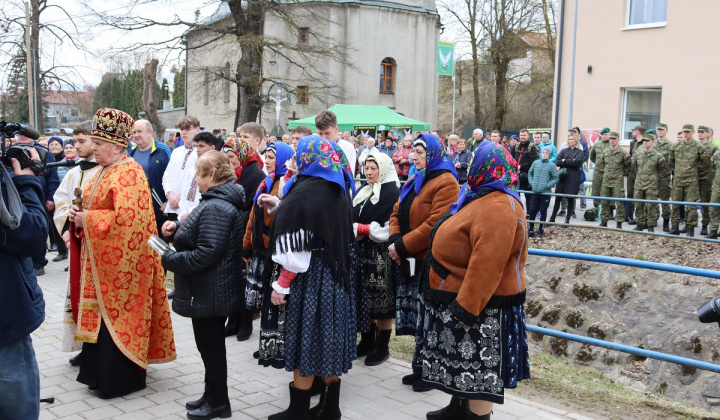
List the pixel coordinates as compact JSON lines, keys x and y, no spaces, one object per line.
{"x":208,"y":266}
{"x":570,"y":158}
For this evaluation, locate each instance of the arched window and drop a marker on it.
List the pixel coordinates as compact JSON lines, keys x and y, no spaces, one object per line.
{"x":387,"y":75}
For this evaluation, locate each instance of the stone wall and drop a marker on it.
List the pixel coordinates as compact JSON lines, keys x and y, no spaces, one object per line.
{"x":643,"y":308}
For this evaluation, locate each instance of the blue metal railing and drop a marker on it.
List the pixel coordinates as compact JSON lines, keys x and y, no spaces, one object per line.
{"x":633,"y":200}
{"x":621,"y":347}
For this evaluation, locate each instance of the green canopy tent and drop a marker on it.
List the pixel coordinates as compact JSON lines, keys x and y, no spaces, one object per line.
{"x":379,"y":116}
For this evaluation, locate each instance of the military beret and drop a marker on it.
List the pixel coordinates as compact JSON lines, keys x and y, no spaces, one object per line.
{"x":651,"y":132}
{"x":702,"y":128}
{"x":661,"y":126}
{"x":614,"y":135}
{"x":688,"y":127}
{"x":648,"y":137}
{"x":605,"y":130}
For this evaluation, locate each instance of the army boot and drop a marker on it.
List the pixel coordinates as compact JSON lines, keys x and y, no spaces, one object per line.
{"x":603,"y":224}
{"x":691,"y":231}
{"x":619,"y":225}
{"x":675,"y":230}
{"x":651,"y":229}
{"x":666,"y":225}
{"x":704,"y":230}
{"x":712,"y":234}
{"x":639,"y":227}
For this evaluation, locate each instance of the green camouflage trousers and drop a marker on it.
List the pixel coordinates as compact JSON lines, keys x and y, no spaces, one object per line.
{"x":705,"y":187}
{"x":597,"y":186}
{"x":715,"y":211}
{"x":664,"y":194}
{"x":646,"y":213}
{"x":617,"y":192}
{"x":687,"y":193}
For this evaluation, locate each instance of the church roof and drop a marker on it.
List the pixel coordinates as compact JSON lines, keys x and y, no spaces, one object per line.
{"x":223,"y":10}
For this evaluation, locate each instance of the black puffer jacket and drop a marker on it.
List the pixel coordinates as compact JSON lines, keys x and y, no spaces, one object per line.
{"x":208,"y":266}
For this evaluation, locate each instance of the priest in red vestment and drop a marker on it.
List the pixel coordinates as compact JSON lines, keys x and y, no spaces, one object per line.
{"x":123,"y":312}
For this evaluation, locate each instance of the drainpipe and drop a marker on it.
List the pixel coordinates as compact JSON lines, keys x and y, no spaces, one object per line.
{"x":559,"y":70}
{"x":572,"y":69}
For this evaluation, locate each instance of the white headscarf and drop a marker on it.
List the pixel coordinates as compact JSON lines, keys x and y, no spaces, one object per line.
{"x":387,"y":174}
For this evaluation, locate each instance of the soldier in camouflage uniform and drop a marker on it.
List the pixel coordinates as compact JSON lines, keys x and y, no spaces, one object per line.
{"x":648,"y":165}
{"x":715,"y":197}
{"x":664,"y":146}
{"x":635,"y":144}
{"x":684,"y":161}
{"x":616,"y":164}
{"x":705,"y":176}
{"x":598,"y":148}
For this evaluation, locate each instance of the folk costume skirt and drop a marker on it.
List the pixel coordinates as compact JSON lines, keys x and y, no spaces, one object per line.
{"x":407,"y":301}
{"x":377,"y":285}
{"x":320,"y":326}
{"x":253,"y":285}
{"x":475,"y":361}
{"x":272,"y":324}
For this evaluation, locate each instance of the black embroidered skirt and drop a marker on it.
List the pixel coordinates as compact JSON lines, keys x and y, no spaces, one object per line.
{"x":272,"y":326}
{"x":475,"y":361}
{"x":377,"y":285}
{"x":253,"y":285}
{"x":407,"y":301}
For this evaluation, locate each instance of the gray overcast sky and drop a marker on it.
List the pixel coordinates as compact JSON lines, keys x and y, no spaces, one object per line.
{"x":87,"y":68}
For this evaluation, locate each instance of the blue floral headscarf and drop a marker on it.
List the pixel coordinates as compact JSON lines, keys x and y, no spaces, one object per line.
{"x":491,"y":169}
{"x":283,"y":153}
{"x":436,"y":157}
{"x":318,"y":157}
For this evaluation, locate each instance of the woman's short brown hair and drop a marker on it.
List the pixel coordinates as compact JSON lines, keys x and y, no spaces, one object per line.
{"x":216,"y":165}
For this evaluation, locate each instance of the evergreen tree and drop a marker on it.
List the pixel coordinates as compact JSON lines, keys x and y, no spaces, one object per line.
{"x":178,"y":96}
{"x":132,"y":93}
{"x":14,"y":104}
{"x":102,"y":95}
{"x":161,"y":91}
{"x":116,"y":100}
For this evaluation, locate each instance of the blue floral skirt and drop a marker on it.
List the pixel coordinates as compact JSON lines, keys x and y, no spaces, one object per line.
{"x":320,"y":325}
{"x":253,"y":285}
{"x":475,"y":361}
{"x":407,"y":301}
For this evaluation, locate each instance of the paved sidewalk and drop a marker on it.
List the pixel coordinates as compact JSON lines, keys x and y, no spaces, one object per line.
{"x":255,"y":392}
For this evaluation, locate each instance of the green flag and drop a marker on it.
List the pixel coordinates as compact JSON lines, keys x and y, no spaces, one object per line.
{"x":445,"y":58}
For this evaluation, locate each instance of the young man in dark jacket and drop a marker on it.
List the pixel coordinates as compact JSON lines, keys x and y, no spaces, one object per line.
{"x":525,"y":153}
{"x":22,"y":307}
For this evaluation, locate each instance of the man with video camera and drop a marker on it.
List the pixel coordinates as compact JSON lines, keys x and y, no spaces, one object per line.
{"x":23,"y":232}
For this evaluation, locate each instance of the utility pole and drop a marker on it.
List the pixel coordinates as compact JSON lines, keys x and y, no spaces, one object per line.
{"x":29,"y":71}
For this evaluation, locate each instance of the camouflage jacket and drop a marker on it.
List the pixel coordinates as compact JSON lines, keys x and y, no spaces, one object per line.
{"x":648,"y":167}
{"x":684,"y":161}
{"x":664,"y":148}
{"x":715,"y":159}
{"x":616,"y":163}
{"x":598,"y":148}
{"x":705,"y":168}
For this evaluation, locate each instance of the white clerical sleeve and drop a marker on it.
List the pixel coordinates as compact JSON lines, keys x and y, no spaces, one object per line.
{"x":63,"y":198}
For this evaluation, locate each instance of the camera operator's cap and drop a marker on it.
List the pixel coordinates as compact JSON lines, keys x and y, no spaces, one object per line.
{"x":688,"y":127}
{"x":648,"y":137}
{"x":702,"y":128}
{"x":112,"y":125}
{"x":605,"y":130}
{"x":614,"y":135}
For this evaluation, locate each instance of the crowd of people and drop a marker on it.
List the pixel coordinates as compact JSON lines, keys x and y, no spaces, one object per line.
{"x":314,"y":234}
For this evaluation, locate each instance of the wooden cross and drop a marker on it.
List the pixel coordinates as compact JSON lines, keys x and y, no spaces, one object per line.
{"x":78,"y":201}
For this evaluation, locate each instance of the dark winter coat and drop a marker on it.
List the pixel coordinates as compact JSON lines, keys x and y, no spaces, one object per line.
{"x":525,"y":154}
{"x":572,"y":159}
{"x":22,"y":307}
{"x":208,"y":265}
{"x":464,"y":158}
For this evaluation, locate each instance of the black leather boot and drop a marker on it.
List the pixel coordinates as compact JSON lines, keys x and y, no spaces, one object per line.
{"x":684,"y":229}
{"x":639,"y":227}
{"x":233,"y":325}
{"x":206,"y":412}
{"x":329,"y":406}
{"x":666,"y":225}
{"x":712,"y":234}
{"x":603,"y":224}
{"x":368,"y":341}
{"x":458,"y":409}
{"x":299,"y":408}
{"x":411,"y":378}
{"x":651,"y":229}
{"x":382,"y":349}
{"x":317,"y":387}
{"x":474,"y":416}
{"x":704,"y":230}
{"x":691,"y":231}
{"x":246,"y":327}
{"x":675,"y":230}
{"x":618,"y":225}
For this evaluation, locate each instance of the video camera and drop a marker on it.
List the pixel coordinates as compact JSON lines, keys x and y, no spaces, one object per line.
{"x":21,"y":152}
{"x":710,"y":311}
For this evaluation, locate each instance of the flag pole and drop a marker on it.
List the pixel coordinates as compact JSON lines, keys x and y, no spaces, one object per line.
{"x":453,"y":94}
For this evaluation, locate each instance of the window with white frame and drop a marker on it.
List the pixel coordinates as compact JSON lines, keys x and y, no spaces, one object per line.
{"x":640,"y":107}
{"x":647,"y":12}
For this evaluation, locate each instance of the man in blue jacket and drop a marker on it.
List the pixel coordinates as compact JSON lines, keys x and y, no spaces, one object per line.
{"x":154,"y":157}
{"x":22,"y":307}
